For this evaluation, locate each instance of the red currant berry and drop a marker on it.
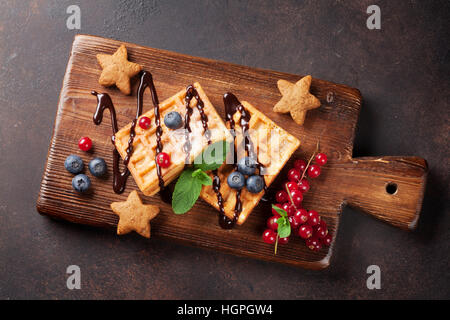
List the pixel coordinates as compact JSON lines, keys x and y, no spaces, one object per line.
{"x":320,"y":231}
{"x":302,"y":215}
{"x":313,"y":243}
{"x":323,"y":224}
{"x":297,"y":197}
{"x":279,"y":205}
{"x":85,"y":144}
{"x":321,"y":159}
{"x":313,"y":218}
{"x":314,"y":171}
{"x":303,"y":185}
{"x":305,"y":231}
{"x":272,"y":223}
{"x":294,"y":175}
{"x":163,"y":159}
{"x":300,"y":165}
{"x":283,"y":240}
{"x":327,"y":240}
{"x":282,"y":196}
{"x":145,"y":123}
{"x":289,"y":208}
{"x":295,"y":223}
{"x":269,"y":236}
{"x":291,"y":186}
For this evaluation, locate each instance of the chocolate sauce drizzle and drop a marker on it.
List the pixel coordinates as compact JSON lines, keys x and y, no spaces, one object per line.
{"x":191,"y":93}
{"x":232,"y":105}
{"x":104,"y":102}
{"x":147,"y":82}
{"x":216,"y":188}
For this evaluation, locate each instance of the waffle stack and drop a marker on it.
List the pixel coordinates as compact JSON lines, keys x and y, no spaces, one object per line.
{"x":273,"y":145}
{"x":142,"y":163}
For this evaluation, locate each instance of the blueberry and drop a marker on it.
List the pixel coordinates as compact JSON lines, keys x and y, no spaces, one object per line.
{"x":97,"y":167}
{"x":81,"y":183}
{"x":255,"y":184}
{"x":247,"y":166}
{"x":74,"y":164}
{"x":236,"y":180}
{"x":173,"y":120}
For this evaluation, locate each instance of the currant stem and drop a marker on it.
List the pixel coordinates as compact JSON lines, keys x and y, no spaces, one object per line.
{"x":276,"y":244}
{"x":290,"y":197}
{"x":310,"y":159}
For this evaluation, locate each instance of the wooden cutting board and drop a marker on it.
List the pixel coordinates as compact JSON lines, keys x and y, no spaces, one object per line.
{"x":389,"y":188}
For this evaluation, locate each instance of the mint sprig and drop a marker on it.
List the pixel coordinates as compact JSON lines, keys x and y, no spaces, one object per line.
{"x":189,"y":184}
{"x":284,"y":226}
{"x":186,"y":191}
{"x":202,"y":177}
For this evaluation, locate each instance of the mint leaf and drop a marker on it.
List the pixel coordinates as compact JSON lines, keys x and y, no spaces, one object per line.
{"x":284,"y":227}
{"x":213,"y":156}
{"x":280,"y":211}
{"x":186,"y":193}
{"x":190,"y":182}
{"x":202,"y":177}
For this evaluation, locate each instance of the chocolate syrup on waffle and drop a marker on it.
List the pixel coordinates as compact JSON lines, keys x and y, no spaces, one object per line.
{"x":191,"y":93}
{"x":232,"y":105}
{"x":147,"y":82}
{"x":216,"y":188}
{"x":105,"y":102}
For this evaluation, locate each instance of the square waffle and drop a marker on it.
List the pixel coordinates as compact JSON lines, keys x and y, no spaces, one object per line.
{"x":273,"y":146}
{"x":142,"y":163}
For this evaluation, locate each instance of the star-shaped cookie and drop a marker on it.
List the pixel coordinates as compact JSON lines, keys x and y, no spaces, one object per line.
{"x":134,"y":215}
{"x":117,"y":70}
{"x":296,"y":99}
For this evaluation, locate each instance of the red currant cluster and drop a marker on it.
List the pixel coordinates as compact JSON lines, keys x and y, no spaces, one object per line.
{"x":307,"y":224}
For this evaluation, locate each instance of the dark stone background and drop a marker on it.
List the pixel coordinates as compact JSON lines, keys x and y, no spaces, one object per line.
{"x":402,"y":71}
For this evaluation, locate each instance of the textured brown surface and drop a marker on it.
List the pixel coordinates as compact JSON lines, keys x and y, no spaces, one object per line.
{"x":401,"y":70}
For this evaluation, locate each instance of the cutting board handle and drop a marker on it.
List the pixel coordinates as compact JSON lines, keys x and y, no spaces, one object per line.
{"x":389,"y":188}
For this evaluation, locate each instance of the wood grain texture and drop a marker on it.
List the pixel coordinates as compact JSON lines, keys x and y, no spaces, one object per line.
{"x":360,"y":183}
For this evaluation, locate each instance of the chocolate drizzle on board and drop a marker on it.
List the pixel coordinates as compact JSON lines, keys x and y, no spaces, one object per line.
{"x":232,"y":105}
{"x":104,"y":102}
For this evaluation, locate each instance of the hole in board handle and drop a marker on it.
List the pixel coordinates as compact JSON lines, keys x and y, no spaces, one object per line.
{"x":391,"y":188}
